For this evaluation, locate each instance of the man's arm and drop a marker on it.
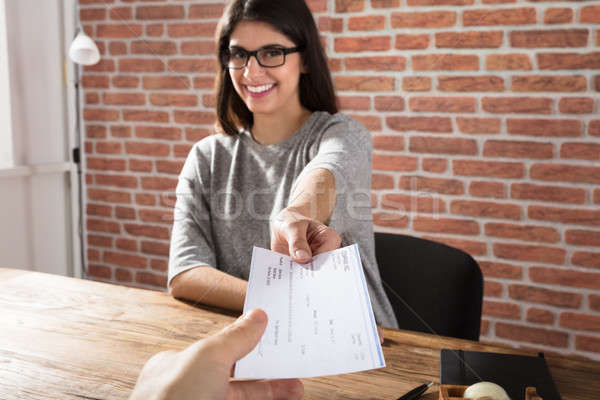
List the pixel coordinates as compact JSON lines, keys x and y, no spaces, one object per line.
{"x":210,"y":286}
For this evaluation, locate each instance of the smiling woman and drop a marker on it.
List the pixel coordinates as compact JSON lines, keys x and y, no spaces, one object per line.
{"x":284,"y":172}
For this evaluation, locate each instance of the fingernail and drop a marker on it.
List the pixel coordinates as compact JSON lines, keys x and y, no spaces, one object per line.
{"x":302,"y":254}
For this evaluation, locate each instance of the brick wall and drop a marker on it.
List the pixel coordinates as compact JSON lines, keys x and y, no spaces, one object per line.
{"x":484,"y":116}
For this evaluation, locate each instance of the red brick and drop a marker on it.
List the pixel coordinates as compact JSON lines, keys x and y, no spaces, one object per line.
{"x":118,"y":31}
{"x":98,"y":210}
{"x":140,"y":165}
{"x":148,"y":278}
{"x":329,"y":24}
{"x":181,"y":150}
{"x":545,"y":296}
{"x":545,"y":127}
{"x":380,"y":181}
{"x":522,"y":232}
{"x":470,"y":40}
{"x":213,"y":11}
{"x":500,"y":270}
{"x":407,"y":203}
{"x":431,"y":185}
{"x":472,"y":247}
{"x":131,"y":99}
{"x":125,"y":260}
{"x":358,"y":103}
{"x":145,"y":116}
{"x":492,"y":289}
{"x":445,"y":225}
{"x":204,"y":82}
{"x":558,"y":61}
{"x":141,"y":65}
{"x":193,"y":65}
{"x":493,"y":169}
{"x":196,"y":134}
{"x":445,"y":62}
{"x":558,"y":16}
{"x":192,"y":30}
{"x":125,"y":212}
{"x":108,"y":164}
{"x":590,"y":14}
{"x":487,"y":189}
{"x":563,"y":277}
{"x":194,"y":117}
{"x":99,"y":271}
{"x":565,"y":216}
{"x":486,"y":209}
{"x":156,"y":183}
{"x":158,"y":132}
{"x":478,"y":125}
{"x":587,"y":343}
{"x":145,"y":199}
{"x":470,"y":83}
{"x":155,"y":248}
{"x":517,"y":149}
{"x":442,"y":145}
{"x":154,"y":47}
{"x":576,"y":105}
{"x":157,"y":232}
{"x":366,"y":23}
{"x":505,"y":16}
{"x":577,"y":321}
{"x":169,"y":167}
{"x":121,"y":13}
{"x":485,"y":327}
{"x":391,"y":143}
{"x":98,"y":240}
{"x":586,"y":259}
{"x":104,"y":65}
{"x":126,"y":244}
{"x":580,"y":237}
{"x":565,"y":173}
{"x":594,"y":302}
{"x":528,"y":191}
{"x":529,"y":105}
{"x":123,"y":275}
{"x":343,"y":6}
{"x":92,"y":14}
{"x":421,"y":124}
{"x":100,"y":114}
{"x":528,"y":334}
{"x":582,"y":151}
{"x":166,"y":82}
{"x":117,"y":48}
{"x":95,"y":81}
{"x":416,"y":83}
{"x":123,"y":81}
{"x":364,"y":83}
{"x":110,"y":196}
{"x":102,"y":225}
{"x":154,"y":30}
{"x":442,"y":104}
{"x":95,"y":131}
{"x":371,"y":122}
{"x":437,"y":165}
{"x":159,"y":265}
{"x":385,"y":3}
{"x":149,"y":149}
{"x":510,"y":62}
{"x":159,"y":12}
{"x":540,"y":316}
{"x":125,"y":181}
{"x":384,"y":162}
{"x":513,"y":251}
{"x":391,"y":220}
{"x":501,"y":309}
{"x":197,"y":47}
{"x":411,"y":42}
{"x":548,"y":83}
{"x":549,"y":38}
{"x":375,"y":63}
{"x":430,"y":19}
{"x":594,"y":128}
{"x":156,"y":216}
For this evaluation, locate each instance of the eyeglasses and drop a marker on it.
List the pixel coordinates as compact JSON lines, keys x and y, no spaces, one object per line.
{"x":268,"y":57}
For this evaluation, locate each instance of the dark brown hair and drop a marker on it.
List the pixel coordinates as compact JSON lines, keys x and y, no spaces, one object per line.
{"x":292,"y":18}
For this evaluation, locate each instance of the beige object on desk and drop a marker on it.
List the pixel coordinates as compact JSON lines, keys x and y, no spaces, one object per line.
{"x":64,"y":338}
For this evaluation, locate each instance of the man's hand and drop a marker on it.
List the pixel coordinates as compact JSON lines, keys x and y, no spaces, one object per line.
{"x":202,"y":370}
{"x":300,"y":237}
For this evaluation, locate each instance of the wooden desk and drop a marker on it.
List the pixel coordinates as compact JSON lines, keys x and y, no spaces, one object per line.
{"x":64,"y":338}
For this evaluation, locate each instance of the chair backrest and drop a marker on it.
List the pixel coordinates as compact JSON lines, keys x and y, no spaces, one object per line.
{"x":433,"y":288}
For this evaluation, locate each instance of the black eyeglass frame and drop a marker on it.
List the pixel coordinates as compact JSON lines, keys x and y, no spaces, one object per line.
{"x":286,"y":51}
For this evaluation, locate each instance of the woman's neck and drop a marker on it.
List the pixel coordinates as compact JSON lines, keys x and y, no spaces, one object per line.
{"x":274,"y":129}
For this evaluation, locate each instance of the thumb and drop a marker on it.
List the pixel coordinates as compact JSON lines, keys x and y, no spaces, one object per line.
{"x":239,"y":338}
{"x":298,"y":246}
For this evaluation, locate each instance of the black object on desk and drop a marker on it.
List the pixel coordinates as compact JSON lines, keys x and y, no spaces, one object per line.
{"x":416,"y":392}
{"x":513,"y":372}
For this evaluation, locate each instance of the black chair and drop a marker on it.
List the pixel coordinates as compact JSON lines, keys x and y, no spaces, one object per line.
{"x":433,"y":288}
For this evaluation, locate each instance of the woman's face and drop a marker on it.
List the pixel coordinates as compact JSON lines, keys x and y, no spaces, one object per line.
{"x":266,"y":91}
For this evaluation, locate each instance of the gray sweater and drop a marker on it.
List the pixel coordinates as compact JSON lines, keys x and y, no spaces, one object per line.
{"x":230,"y":188}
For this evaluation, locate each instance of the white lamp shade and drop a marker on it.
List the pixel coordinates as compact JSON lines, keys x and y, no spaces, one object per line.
{"x":83,"y":50}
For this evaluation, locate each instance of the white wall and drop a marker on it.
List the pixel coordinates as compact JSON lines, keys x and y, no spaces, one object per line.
{"x":6,"y":144}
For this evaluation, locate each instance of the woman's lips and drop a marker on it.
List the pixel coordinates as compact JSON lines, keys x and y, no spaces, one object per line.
{"x":263,"y":90}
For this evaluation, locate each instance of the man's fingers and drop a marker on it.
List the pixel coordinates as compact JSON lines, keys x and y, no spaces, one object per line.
{"x":239,"y":338}
{"x":266,"y":390}
{"x":298,"y":244}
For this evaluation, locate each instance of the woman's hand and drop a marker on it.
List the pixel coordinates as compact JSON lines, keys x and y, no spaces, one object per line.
{"x":202,"y":370}
{"x":301,"y":237}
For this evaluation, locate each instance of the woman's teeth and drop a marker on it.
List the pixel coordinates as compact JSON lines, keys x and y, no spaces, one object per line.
{"x":259,"y":89}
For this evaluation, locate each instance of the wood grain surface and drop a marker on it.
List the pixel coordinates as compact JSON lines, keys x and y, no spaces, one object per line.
{"x":65,"y":338}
